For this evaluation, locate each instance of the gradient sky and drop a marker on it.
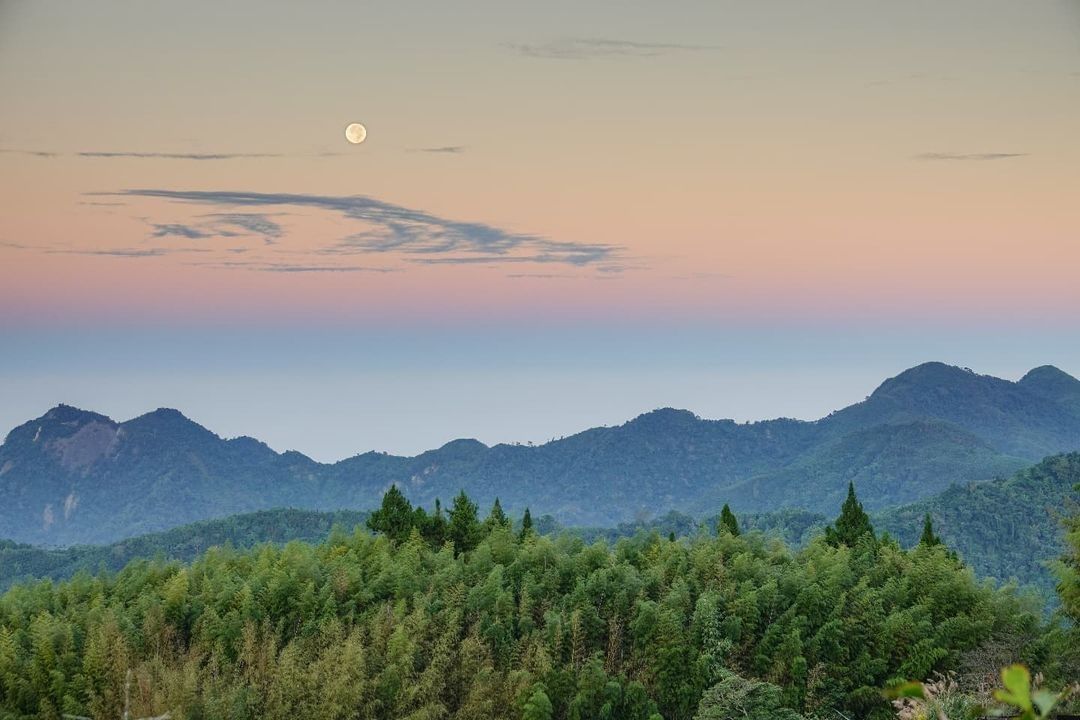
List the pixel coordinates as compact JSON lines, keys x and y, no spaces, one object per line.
{"x":565,"y":213}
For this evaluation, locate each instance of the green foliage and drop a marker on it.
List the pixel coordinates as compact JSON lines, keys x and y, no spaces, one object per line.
{"x":364,"y":626}
{"x":465,"y":529}
{"x":1021,"y":699}
{"x":496,"y":518}
{"x":928,"y":538}
{"x":538,"y":706}
{"x":1003,"y":529}
{"x":185,"y":543}
{"x":1016,"y":692}
{"x":853,"y":525}
{"x":395,"y":517}
{"x":1068,"y":571}
{"x":728,"y":522}
{"x":737,"y":698}
{"x":526,"y":524}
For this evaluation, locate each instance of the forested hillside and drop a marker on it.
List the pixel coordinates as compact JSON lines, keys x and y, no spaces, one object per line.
{"x":185,"y":543}
{"x":73,"y":476}
{"x":1003,"y":529}
{"x":444,"y":616}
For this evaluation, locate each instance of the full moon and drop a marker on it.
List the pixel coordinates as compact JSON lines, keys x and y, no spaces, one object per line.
{"x":355,"y":133}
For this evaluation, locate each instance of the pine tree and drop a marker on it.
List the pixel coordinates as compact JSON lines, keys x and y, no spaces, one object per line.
{"x":496,"y":518}
{"x":465,"y":528}
{"x":435,"y":531}
{"x":928,"y":537}
{"x":728,"y":521}
{"x":395,"y":517}
{"x":526,"y":524}
{"x":852,"y":524}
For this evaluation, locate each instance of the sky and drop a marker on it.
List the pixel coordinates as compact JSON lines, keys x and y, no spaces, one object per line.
{"x":564,"y":214}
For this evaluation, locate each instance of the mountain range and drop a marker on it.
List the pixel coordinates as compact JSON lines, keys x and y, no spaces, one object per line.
{"x":74,"y":476}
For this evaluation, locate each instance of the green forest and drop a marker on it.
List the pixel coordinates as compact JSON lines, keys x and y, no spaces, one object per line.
{"x":456,"y":614}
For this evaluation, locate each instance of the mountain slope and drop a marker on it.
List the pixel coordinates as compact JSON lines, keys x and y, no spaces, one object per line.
{"x":73,"y":476}
{"x":1003,"y":529}
{"x":22,"y":562}
{"x":890,"y":463}
{"x":1026,"y":420}
{"x":1054,"y":385}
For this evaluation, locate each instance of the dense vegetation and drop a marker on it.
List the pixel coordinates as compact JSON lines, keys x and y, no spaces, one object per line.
{"x":185,"y":543}
{"x":77,"y":477}
{"x":1003,"y":529}
{"x":445,"y":615}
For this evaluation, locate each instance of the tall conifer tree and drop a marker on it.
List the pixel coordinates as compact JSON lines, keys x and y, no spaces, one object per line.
{"x":852,"y":524}
{"x":728,"y":521}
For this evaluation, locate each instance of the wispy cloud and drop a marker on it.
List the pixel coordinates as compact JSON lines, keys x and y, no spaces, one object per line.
{"x":139,"y":155}
{"x":178,"y":230}
{"x":582,"y":48}
{"x":278,"y":267}
{"x":443,"y":150}
{"x":254,"y":223}
{"x":115,"y":252}
{"x":125,"y":252}
{"x":177,"y":156}
{"x":222,"y":225}
{"x":968,"y":156}
{"x":540,"y":276}
{"x":420,"y":236}
{"x":34,"y":153}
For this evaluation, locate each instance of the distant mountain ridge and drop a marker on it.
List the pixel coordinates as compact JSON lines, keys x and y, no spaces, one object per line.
{"x":73,"y":476}
{"x":1005,"y":529}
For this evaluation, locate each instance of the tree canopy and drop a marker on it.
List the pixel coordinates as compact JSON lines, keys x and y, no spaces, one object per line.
{"x":500,"y":624}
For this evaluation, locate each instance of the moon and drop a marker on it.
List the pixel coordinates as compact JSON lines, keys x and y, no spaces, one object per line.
{"x":355,"y":133}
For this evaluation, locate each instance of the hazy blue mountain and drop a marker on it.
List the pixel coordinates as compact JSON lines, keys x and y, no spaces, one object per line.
{"x":1054,"y":385}
{"x":890,"y":464}
{"x":73,"y":476}
{"x":1004,"y":529}
{"x":1025,"y":419}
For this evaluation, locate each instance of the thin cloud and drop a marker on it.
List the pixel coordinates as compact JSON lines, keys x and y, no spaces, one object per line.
{"x":254,"y":223}
{"x":222,"y":225}
{"x":290,"y":267}
{"x":126,"y":252}
{"x":34,"y":153}
{"x":968,"y":156}
{"x":177,"y":156}
{"x":138,"y":155}
{"x":425,"y":237}
{"x":443,"y":150}
{"x":583,"y":48}
{"x":178,"y":230}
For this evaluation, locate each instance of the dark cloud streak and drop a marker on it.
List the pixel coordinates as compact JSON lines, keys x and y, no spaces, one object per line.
{"x":968,"y":156}
{"x":584,"y":48}
{"x":398,"y":229}
{"x":177,"y":156}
